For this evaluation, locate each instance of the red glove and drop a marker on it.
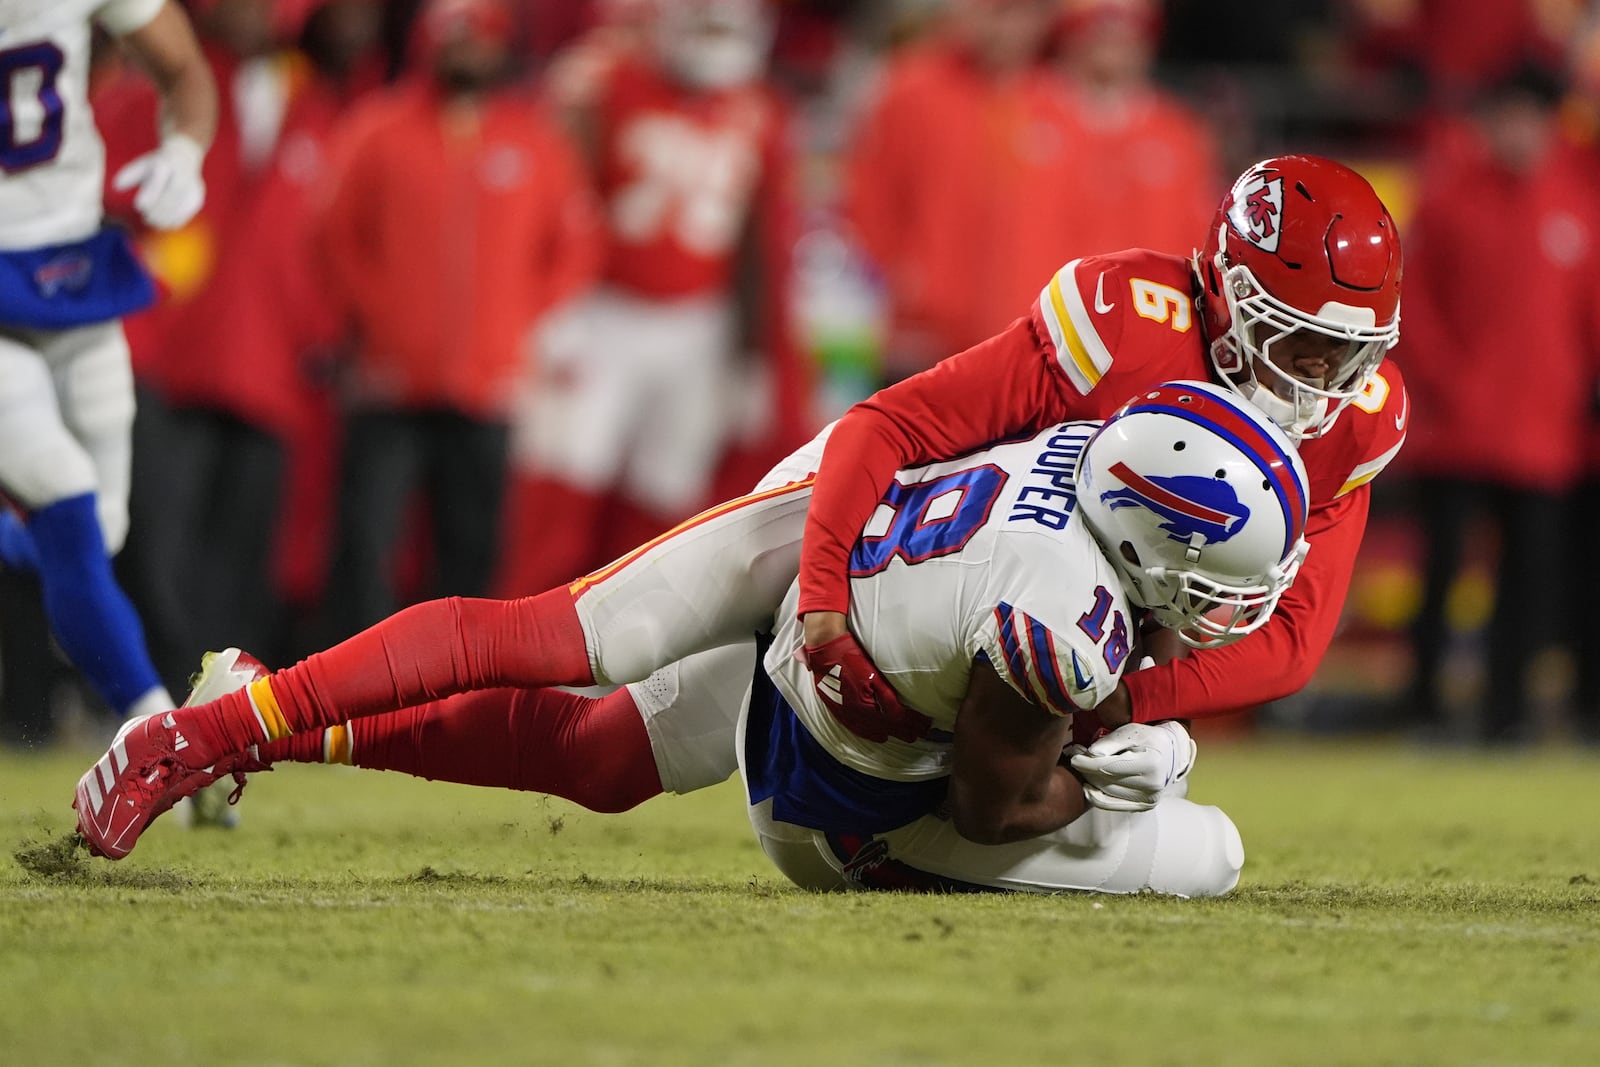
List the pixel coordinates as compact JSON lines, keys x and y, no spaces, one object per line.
{"x":857,"y":695}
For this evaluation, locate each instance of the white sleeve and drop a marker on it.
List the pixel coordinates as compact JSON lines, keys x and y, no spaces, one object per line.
{"x":121,"y":17}
{"x":1062,"y":640}
{"x":1059,"y":671}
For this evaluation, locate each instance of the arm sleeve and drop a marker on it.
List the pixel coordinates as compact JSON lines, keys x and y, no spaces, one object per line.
{"x":1042,"y":663}
{"x":1281,"y":657}
{"x":995,"y":389}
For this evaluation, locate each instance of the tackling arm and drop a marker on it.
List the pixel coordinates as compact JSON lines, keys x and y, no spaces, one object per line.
{"x":993,"y":390}
{"x":1007,"y":779}
{"x":1277,"y":660}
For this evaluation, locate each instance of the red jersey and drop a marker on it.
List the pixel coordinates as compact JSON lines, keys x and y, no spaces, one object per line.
{"x":1104,"y":328}
{"x":1153,"y":178}
{"x":953,"y":186}
{"x":449,"y":243}
{"x":679,"y":172}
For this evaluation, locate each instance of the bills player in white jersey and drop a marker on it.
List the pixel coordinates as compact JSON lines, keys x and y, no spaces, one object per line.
{"x":997,"y":593}
{"x":66,"y":389}
{"x":999,"y":604}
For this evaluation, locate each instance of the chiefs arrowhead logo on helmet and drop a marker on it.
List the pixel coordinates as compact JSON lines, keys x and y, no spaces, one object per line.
{"x":1256,"y":212}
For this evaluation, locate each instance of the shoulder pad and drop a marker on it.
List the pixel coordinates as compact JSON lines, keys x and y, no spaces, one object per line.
{"x":1136,"y":304}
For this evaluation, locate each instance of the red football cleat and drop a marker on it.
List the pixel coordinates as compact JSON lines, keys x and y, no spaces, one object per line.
{"x":144,"y":774}
{"x":130,"y":785}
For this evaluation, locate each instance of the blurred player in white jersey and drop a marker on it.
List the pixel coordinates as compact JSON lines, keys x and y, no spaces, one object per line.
{"x":66,"y":390}
{"x":999,"y":601}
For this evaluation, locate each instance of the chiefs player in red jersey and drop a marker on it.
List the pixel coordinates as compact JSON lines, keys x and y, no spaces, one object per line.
{"x":641,"y":380}
{"x":1294,"y":301}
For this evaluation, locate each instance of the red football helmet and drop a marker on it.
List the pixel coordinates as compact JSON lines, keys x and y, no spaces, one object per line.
{"x":1300,"y":244}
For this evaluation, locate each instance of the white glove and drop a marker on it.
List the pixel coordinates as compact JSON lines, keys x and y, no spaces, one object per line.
{"x":171,"y":189}
{"x":1128,"y":768}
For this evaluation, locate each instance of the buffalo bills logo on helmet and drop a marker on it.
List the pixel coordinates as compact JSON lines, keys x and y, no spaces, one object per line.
{"x":1256,"y":210}
{"x":1188,"y":503}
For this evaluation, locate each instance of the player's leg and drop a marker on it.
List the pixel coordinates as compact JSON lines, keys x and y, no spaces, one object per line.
{"x":380,"y":467}
{"x":466,"y":488}
{"x":66,"y":413}
{"x":711,"y":582}
{"x":1446,"y":508}
{"x":1531,"y":534}
{"x":539,"y":740}
{"x":672,"y":732}
{"x":569,"y":440}
{"x":1177,"y":848}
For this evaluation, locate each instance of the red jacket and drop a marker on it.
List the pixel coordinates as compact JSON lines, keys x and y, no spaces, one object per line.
{"x":952,"y":189}
{"x":184,"y":261}
{"x":1068,"y":360}
{"x":1499,"y":338}
{"x":449,"y":246}
{"x":242,"y":343}
{"x":1145,"y":176}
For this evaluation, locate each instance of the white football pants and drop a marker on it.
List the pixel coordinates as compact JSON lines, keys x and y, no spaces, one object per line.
{"x":677,"y":618}
{"x":634,"y":395}
{"x":66,"y":420}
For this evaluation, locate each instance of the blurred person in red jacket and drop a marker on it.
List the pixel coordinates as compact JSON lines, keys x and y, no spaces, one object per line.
{"x":1461,"y":46}
{"x":220,"y":382}
{"x":1144,"y":163}
{"x":459,"y":214}
{"x":952,"y":178}
{"x":259,"y":342}
{"x":644,"y":382}
{"x":1503,"y":259}
{"x":1581,"y":120}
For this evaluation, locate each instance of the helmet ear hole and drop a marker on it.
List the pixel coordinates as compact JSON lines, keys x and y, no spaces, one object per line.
{"x":1129,"y":553}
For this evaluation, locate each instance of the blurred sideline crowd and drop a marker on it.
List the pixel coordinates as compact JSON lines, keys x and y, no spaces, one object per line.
{"x":486,"y":292}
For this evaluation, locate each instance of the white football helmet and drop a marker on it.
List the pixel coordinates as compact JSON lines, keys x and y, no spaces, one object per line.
{"x":1200,"y":501}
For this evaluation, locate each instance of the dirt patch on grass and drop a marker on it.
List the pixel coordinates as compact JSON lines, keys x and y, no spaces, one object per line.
{"x":62,"y":857}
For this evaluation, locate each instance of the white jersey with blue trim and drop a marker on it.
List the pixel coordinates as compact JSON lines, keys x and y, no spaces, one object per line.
{"x":52,"y":161}
{"x":981,"y":557}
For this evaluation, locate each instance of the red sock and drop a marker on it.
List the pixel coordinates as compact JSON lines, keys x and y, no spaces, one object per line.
{"x":307,"y":747}
{"x":423,"y":653}
{"x":213,"y":730}
{"x":593,"y":751}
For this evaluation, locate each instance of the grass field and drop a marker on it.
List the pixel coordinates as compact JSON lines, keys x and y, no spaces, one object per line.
{"x":1397,"y":907}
